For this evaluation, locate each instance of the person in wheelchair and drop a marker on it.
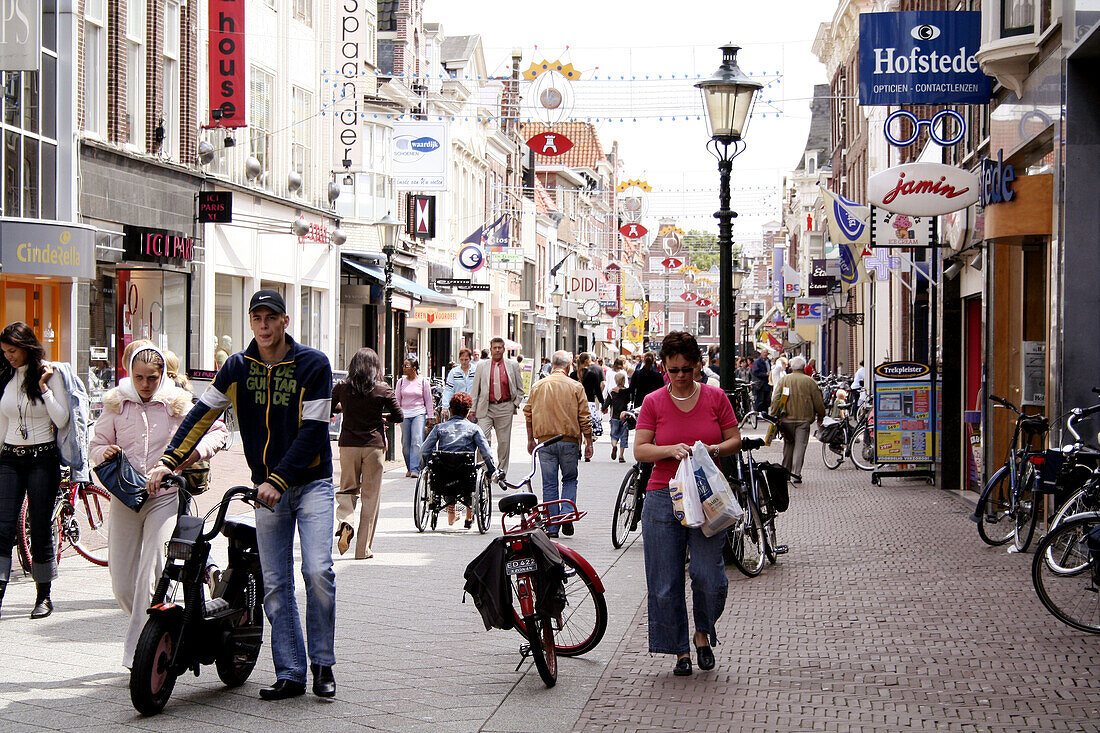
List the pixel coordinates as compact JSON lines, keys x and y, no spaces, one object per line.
{"x":454,"y":435}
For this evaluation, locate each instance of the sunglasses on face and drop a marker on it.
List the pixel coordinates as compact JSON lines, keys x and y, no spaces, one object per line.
{"x":678,"y":370}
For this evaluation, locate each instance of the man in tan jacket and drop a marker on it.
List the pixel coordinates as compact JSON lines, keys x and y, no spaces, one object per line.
{"x":558,"y":406}
{"x":804,"y":404}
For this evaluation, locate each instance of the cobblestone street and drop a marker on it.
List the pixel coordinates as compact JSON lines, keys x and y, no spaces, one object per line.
{"x":887,"y":614}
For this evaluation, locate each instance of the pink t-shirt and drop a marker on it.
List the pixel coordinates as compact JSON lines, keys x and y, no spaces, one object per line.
{"x":711,"y":415}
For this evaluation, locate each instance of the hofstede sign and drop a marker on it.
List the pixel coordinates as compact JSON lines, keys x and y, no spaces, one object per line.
{"x":924,"y":57}
{"x":923,"y":189}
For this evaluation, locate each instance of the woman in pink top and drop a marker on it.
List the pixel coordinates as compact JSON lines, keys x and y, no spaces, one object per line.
{"x":414,"y":396}
{"x":670,"y":422}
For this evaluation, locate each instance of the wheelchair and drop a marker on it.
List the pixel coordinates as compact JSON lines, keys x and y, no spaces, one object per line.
{"x":453,"y":478}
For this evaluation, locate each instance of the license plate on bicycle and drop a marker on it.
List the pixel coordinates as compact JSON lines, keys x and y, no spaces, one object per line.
{"x":521,"y":566}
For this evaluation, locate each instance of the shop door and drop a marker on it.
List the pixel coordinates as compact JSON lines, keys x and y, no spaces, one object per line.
{"x":38,"y":305}
{"x":972,"y":314}
{"x":439,"y":350}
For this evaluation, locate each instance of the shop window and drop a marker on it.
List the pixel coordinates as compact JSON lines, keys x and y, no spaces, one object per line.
{"x":147,"y":301}
{"x":170,"y":122}
{"x":48,"y":166}
{"x":49,"y":24}
{"x":1017,"y":17}
{"x":95,"y":68}
{"x":13,"y":180}
{"x":229,"y":315}
{"x":30,"y":178}
{"x":303,"y":11}
{"x":30,"y":101}
{"x":702,"y":324}
{"x":135,"y":74}
{"x":49,"y":97}
{"x":302,"y":137}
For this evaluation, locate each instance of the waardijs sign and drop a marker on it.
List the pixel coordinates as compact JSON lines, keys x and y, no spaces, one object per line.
{"x":924,"y":57}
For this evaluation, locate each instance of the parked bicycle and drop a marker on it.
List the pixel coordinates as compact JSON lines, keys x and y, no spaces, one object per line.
{"x":1066,"y":571}
{"x":1008,"y":507}
{"x":627,"y":513}
{"x":79,"y":521}
{"x":848,"y":437}
{"x":582,"y":622}
{"x":1070,"y":473}
{"x":225,"y":630}
{"x":752,"y":540}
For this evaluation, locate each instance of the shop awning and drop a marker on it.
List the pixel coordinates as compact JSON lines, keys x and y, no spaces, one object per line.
{"x":402,"y":284}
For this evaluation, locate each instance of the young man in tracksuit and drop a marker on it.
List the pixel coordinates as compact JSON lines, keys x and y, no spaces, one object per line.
{"x":281,"y":392}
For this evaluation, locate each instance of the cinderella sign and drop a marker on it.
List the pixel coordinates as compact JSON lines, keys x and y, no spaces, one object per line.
{"x":923,"y":189}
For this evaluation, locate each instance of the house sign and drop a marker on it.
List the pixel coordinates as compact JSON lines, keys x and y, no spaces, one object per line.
{"x":923,"y":189}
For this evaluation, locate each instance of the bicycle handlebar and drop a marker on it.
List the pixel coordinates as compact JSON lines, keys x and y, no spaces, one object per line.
{"x":1002,"y":402}
{"x":504,"y":484}
{"x":761,"y":416}
{"x":1078,"y":414}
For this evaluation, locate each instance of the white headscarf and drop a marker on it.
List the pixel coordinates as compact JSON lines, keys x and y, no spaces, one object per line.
{"x":126,"y":386}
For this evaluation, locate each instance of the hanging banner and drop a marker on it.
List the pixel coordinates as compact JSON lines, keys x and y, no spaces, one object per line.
{"x":226,"y":67}
{"x":924,"y":57}
{"x":849,"y":232}
{"x":819,"y":278}
{"x":20,"y":34}
{"x":420,"y":156}
{"x":809,"y":311}
{"x":353,"y":58}
{"x":923,"y":189}
{"x":496,"y":237}
{"x":792,"y":288}
{"x":777,"y":276}
{"x":900,"y":230}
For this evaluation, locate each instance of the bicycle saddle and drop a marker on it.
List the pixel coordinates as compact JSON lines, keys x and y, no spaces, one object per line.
{"x":518,"y":503}
{"x":751,"y":443}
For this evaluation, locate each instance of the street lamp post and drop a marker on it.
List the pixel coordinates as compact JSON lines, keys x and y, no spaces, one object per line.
{"x":727,"y":98}
{"x":389,"y":227}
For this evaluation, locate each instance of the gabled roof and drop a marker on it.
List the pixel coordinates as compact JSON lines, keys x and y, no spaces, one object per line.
{"x":586,"y":151}
{"x":458,"y":48}
{"x":544,"y":205}
{"x":821,"y":114}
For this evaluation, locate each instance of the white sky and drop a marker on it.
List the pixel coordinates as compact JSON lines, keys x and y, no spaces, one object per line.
{"x":614,"y":38}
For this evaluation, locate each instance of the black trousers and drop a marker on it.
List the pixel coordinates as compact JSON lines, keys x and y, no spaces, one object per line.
{"x":37,"y":478}
{"x":762,"y":394}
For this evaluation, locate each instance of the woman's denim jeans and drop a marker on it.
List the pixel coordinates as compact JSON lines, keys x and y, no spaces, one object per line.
{"x":666,"y":541}
{"x":412,"y":437}
{"x":312,"y":508}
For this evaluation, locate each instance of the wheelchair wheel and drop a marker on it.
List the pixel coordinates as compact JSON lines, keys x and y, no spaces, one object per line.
{"x":421,"y":499}
{"x":483,"y":501}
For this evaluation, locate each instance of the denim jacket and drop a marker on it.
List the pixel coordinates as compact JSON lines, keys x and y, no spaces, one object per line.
{"x":457,"y":434}
{"x":72,"y":440}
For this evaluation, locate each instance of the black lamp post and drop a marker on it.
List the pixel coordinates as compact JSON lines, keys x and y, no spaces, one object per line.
{"x":388,"y":230}
{"x":727,"y":97}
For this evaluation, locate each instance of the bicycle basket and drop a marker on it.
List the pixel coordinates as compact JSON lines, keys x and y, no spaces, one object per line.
{"x":1060,"y":475}
{"x":777,"y":479}
{"x":832,"y":434}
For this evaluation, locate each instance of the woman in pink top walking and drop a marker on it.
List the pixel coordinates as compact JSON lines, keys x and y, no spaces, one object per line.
{"x":670,"y":422}
{"x":414,"y":396}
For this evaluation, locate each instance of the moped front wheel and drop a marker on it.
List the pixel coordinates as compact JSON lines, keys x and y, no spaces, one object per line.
{"x":151,"y":676}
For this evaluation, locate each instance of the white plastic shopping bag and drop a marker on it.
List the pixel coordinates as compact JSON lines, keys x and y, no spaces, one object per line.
{"x":720,"y":508}
{"x":686,"y":506}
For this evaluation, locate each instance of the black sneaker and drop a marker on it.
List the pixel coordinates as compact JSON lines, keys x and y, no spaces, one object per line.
{"x":567,"y":529}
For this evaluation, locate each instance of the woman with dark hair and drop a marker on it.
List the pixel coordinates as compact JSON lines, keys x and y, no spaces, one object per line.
{"x":669,"y":424}
{"x":34,"y":404}
{"x":367,"y":404}
{"x":458,"y":434}
{"x":645,"y":379}
{"x":414,"y":395}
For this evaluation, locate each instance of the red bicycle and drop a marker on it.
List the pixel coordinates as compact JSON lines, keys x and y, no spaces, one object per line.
{"x":79,"y":522}
{"x":582,"y":621}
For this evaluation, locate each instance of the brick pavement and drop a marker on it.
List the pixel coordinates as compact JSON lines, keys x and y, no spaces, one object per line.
{"x":888,"y":614}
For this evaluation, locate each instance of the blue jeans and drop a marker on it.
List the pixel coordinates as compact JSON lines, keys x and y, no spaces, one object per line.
{"x":620,"y":432}
{"x":665,"y":542}
{"x":311,"y":507}
{"x":564,"y":456}
{"x":412,"y":437}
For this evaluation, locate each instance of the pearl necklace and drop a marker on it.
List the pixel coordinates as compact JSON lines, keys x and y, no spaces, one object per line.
{"x":684,"y":399}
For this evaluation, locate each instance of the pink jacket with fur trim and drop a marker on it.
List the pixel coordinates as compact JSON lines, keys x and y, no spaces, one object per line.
{"x":143,"y":429}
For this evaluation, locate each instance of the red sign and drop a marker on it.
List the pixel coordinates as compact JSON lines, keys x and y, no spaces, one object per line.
{"x":227,"y":64}
{"x":689,"y":296}
{"x":672,"y":263}
{"x":316,"y":233}
{"x":421,"y":217}
{"x":633,"y":231}
{"x":703,"y":302}
{"x":550,"y":144}
{"x":613,"y":310}
{"x":712,"y":311}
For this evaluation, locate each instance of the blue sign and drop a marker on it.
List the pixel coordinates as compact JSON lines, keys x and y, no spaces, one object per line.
{"x":997,"y":181}
{"x":924,"y":57}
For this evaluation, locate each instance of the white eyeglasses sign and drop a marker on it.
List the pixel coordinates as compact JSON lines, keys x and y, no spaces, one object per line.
{"x":933,"y":124}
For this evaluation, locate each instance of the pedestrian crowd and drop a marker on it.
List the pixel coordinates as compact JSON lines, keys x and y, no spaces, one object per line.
{"x":283,"y":395}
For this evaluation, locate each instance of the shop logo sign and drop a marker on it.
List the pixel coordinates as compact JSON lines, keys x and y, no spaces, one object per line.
{"x":997,"y":178}
{"x":227,"y":65}
{"x":156,"y":245}
{"x":923,"y":189}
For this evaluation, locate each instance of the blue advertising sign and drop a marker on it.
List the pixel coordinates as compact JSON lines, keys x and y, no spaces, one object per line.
{"x":923,"y":57}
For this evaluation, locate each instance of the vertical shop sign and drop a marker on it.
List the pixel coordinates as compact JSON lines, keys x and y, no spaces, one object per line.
{"x":1035,"y":367}
{"x":226,"y":64}
{"x":352,"y":56}
{"x":777,"y":276}
{"x":20,"y":35}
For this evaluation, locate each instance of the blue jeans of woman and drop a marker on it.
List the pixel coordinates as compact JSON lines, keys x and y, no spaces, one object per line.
{"x":665,"y":542}
{"x":38,"y":478}
{"x":412,"y":437}
{"x":620,"y":431}
{"x":312,"y":508}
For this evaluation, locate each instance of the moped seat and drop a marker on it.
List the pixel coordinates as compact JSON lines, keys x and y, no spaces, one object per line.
{"x":518,"y":503}
{"x":241,"y":528}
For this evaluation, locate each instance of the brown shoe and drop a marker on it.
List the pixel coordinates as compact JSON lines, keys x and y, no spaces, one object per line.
{"x":345,"y":534}
{"x":614,"y":450}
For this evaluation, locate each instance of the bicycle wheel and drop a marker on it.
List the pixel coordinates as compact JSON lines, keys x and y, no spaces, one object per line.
{"x":584,"y":620}
{"x":744,"y":545}
{"x":421,"y":499}
{"x":540,"y":637}
{"x":24,"y":540}
{"x":752,"y":421}
{"x":151,"y":677}
{"x":861,"y":450}
{"x":1080,"y":501}
{"x":831,"y":456}
{"x":85,"y":525}
{"x":623,"y":516}
{"x":1070,"y":591}
{"x":1027,"y":509}
{"x":241,"y":645}
{"x":996,"y":525}
{"x":483,"y":502}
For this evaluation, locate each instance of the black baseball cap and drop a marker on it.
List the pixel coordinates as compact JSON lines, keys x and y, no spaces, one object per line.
{"x":267,"y":299}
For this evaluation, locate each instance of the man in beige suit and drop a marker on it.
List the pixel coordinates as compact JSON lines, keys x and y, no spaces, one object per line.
{"x":497,"y":393}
